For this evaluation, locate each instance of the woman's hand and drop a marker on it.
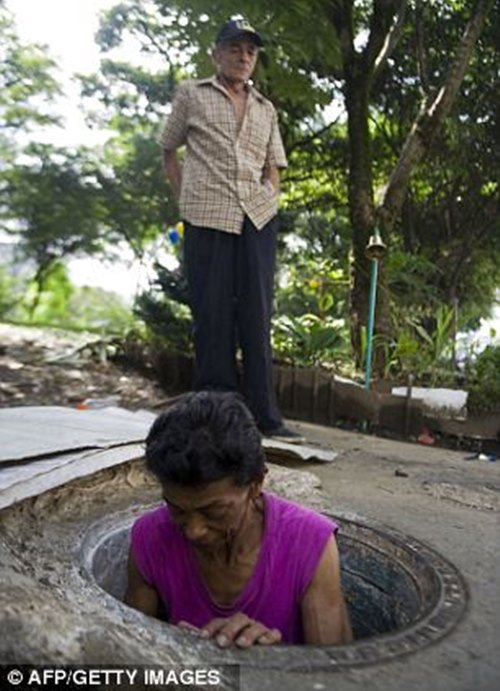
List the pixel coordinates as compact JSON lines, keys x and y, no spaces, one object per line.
{"x":238,"y":629}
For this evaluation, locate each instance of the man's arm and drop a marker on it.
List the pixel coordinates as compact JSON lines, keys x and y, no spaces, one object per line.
{"x":272,"y":176}
{"x":173,"y":171}
{"x":139,"y":594}
{"x":325,"y":619}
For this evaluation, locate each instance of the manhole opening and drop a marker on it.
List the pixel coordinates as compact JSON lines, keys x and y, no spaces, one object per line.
{"x":401,"y":594}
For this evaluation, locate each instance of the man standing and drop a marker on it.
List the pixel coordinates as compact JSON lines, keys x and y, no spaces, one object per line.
{"x":227,"y":189}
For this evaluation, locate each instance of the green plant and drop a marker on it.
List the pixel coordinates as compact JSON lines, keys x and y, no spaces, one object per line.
{"x":62,"y":304}
{"x":308,"y":339}
{"x":164,"y":307}
{"x":169,"y":321}
{"x":47,"y":301}
{"x":483,"y":381}
{"x":8,"y":296}
{"x":423,"y":346}
{"x":91,"y":308}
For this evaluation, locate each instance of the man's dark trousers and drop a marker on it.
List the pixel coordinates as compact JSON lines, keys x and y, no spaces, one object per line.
{"x":230,"y":279}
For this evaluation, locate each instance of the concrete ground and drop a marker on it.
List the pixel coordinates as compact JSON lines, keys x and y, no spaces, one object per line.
{"x":443,"y":498}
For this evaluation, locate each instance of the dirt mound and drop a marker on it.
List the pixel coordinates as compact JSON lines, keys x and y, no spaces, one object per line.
{"x":52,"y":367}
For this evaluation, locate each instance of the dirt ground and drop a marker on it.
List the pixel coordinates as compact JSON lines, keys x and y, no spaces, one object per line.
{"x":51,"y":367}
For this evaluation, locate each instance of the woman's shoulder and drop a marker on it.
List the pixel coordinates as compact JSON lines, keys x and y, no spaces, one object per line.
{"x":297,"y":538}
{"x":292,"y":516}
{"x":151,"y":523}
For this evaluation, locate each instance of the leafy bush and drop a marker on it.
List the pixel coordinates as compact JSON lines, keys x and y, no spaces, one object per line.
{"x":59,"y":303}
{"x":423,"y":346}
{"x":166,"y":319}
{"x":483,"y":381}
{"x":308,"y":339}
{"x":311,"y":304}
{"x":96,"y":309}
{"x":8,"y":294}
{"x":164,"y":309}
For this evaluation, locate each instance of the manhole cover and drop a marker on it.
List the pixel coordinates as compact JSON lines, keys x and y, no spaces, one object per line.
{"x":402,"y":596}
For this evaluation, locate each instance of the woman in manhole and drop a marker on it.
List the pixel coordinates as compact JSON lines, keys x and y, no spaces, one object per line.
{"x":222,"y":557}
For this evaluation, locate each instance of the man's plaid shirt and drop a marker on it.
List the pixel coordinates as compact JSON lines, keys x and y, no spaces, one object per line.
{"x":222,"y":178}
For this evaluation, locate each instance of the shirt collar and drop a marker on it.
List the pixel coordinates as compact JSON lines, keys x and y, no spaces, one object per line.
{"x":213,"y":81}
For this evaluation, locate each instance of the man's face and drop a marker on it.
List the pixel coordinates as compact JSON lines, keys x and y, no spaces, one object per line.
{"x":236,"y":60}
{"x":208,"y":514}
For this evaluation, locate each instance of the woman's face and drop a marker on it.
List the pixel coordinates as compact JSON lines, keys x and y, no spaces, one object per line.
{"x":209,"y":514}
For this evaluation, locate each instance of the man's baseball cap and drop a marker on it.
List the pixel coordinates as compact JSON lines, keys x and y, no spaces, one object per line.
{"x":235,"y":29}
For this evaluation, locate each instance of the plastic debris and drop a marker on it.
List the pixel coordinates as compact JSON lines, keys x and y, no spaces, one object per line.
{"x":425,"y":437}
{"x":98,"y":403}
{"x":490,"y":457}
{"x":176,"y":233}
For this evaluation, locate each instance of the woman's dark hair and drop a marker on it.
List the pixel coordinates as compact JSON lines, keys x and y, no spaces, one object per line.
{"x":204,"y":437}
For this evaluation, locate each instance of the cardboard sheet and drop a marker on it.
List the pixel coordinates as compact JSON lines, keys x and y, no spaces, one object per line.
{"x":37,"y":432}
{"x":45,"y":447}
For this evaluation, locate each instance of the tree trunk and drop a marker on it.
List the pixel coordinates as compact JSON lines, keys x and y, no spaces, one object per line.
{"x":359,"y":70}
{"x":361,"y":203}
{"x":39,"y":279}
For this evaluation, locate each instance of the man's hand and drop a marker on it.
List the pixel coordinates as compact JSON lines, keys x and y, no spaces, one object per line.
{"x":173,"y":171}
{"x":271,"y":180}
{"x":237,"y":630}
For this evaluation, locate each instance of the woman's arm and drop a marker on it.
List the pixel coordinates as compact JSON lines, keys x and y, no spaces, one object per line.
{"x":139,"y":594}
{"x":325,"y":619}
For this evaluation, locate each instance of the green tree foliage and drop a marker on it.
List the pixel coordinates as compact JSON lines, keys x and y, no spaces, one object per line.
{"x":166,"y":318}
{"x":165,"y":306}
{"x":53,"y":205}
{"x":62,"y":304}
{"x":27,"y":86}
{"x":132,"y":189}
{"x":8,"y":293}
{"x":183,"y":34}
{"x":130,"y":103}
{"x":484,"y":382}
{"x":49,"y":198}
{"x":445,"y":248}
{"x":48,"y":302}
{"x":95,"y":309}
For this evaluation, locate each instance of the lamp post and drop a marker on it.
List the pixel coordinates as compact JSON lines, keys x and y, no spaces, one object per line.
{"x":374,"y":251}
